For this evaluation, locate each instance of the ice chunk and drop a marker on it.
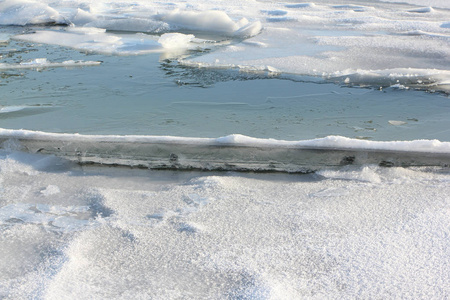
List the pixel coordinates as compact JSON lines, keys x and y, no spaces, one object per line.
{"x":210,"y":21}
{"x":26,"y":12}
{"x":9,"y":109}
{"x":83,"y":17}
{"x":175,"y":40}
{"x":216,"y":21}
{"x":397,"y":123}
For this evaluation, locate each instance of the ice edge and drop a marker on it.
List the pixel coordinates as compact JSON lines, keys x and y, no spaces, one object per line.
{"x":230,"y":153}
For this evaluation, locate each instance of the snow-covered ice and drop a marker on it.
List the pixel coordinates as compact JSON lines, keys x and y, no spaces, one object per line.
{"x":362,"y":43}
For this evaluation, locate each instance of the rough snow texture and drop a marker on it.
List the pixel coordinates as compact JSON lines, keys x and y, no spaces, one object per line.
{"x":367,"y":232}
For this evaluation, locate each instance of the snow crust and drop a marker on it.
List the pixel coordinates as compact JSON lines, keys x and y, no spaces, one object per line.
{"x":430,"y":146}
{"x":96,"y":233}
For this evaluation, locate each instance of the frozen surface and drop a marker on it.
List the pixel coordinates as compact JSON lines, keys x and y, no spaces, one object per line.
{"x":90,"y":233}
{"x":356,"y":43}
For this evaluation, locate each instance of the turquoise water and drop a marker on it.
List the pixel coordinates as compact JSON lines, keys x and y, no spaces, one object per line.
{"x":152,"y":95}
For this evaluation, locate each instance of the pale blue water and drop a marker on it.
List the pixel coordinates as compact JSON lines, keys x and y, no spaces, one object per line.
{"x":153,"y":96}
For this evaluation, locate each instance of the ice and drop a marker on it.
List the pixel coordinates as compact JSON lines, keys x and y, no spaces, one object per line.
{"x":175,"y":40}
{"x":40,"y":63}
{"x":397,"y":123}
{"x":319,"y":39}
{"x":25,"y":12}
{"x":332,"y":142}
{"x":215,"y":21}
{"x":92,"y":39}
{"x":9,"y":109}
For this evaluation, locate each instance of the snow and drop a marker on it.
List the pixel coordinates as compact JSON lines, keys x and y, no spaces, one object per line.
{"x":111,"y":233}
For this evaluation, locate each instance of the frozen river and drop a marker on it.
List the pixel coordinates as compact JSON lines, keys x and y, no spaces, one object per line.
{"x":359,"y":75}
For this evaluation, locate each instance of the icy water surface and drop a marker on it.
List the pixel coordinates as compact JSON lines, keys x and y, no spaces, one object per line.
{"x":153,"y":95}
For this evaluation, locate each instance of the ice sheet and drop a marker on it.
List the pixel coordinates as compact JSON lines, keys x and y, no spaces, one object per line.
{"x":360,"y":43}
